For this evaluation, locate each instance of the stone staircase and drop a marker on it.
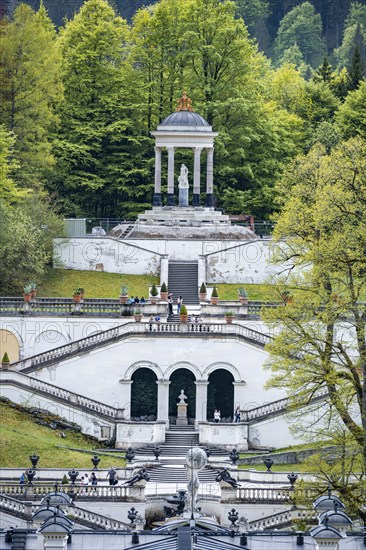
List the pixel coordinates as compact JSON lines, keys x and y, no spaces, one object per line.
{"x":171,"y":466}
{"x":183,"y":281}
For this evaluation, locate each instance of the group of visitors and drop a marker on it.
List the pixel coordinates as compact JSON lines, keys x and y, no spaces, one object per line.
{"x":217,"y":415}
{"x":136,"y":300}
{"x":171,"y":303}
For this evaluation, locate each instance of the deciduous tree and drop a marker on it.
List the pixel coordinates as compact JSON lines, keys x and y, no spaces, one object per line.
{"x":321,"y":341}
{"x":30,"y":89}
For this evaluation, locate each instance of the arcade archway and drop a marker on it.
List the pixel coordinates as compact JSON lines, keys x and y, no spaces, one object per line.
{"x":220,"y":393}
{"x":182,"y":379}
{"x":144,"y":393}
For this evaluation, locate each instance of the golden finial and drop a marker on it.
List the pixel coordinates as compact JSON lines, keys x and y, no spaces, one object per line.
{"x":184,"y":103}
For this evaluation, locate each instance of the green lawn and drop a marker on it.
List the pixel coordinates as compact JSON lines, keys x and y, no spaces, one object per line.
{"x":20,"y":437}
{"x":264,"y":293}
{"x":62,"y":283}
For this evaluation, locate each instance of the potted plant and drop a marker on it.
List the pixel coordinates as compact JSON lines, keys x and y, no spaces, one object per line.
{"x":164,"y":292}
{"x":214,"y":296}
{"x":5,"y":361}
{"x":202,"y":292}
{"x":76,"y":296}
{"x":82,"y":291}
{"x":183,"y":315}
{"x":243,"y":296}
{"x":137,"y":315}
{"x":33,"y":290}
{"x":153,"y":294}
{"x":27,"y":293}
{"x":229,"y":317}
{"x":124,"y":294}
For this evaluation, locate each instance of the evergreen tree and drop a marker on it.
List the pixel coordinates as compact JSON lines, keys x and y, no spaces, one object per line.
{"x":356,"y":71}
{"x":301,"y":26}
{"x":324,"y":72}
{"x":30,"y":90}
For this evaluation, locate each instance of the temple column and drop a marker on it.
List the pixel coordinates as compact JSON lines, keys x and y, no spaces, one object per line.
{"x":157,"y":190}
{"x":125,"y":397}
{"x":239,"y":394}
{"x":209,"y":181}
{"x":163,"y":400}
{"x":197,"y":176}
{"x":201,"y":400}
{"x":170,"y":176}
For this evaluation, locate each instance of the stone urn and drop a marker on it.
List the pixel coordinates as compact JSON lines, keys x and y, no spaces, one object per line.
{"x":229,"y":319}
{"x":123,"y":299}
{"x":214,"y":300}
{"x":243,"y":300}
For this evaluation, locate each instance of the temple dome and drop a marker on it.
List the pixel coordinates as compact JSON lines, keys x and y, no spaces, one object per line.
{"x":185,"y":118}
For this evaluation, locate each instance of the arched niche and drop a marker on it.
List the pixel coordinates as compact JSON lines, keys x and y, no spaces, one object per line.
{"x":9,"y":344}
{"x":220,"y":393}
{"x":182,"y":379}
{"x":144,"y":393}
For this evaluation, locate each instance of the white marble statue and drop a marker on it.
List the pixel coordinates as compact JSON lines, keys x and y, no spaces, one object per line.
{"x":196,"y":459}
{"x":183,"y":178}
{"x":182,"y":397}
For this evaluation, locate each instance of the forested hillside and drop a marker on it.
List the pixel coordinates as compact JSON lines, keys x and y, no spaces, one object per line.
{"x":78,"y":103}
{"x":263,"y":17}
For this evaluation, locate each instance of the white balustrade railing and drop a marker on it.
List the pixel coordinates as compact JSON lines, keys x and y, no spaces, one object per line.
{"x":16,"y":507}
{"x":254,"y":494}
{"x":39,"y":490}
{"x":19,"y":378}
{"x":99,"y":521}
{"x":128,"y":329}
{"x":281,"y":519}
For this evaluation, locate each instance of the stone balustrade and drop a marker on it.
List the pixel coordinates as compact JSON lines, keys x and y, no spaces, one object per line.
{"x":15,"y":507}
{"x":282,"y":519}
{"x":98,"y":521}
{"x":263,"y":495}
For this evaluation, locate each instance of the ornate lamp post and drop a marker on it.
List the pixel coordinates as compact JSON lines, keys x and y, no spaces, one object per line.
{"x":95,"y":460}
{"x":34,"y":459}
{"x":268,"y":462}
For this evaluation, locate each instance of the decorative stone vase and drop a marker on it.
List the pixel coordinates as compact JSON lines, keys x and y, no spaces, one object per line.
{"x":123,"y":299}
{"x":229,"y":319}
{"x":214,"y":300}
{"x":33,"y":294}
{"x":183,"y":318}
{"x":27,"y":297}
{"x":138,"y":317}
{"x":77,"y":298}
{"x":153,"y":300}
{"x":202,"y":296}
{"x":164,"y":296}
{"x":243,"y":300}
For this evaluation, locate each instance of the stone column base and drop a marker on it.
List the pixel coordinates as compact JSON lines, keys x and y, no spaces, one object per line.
{"x":209,"y":199}
{"x":157,"y":199}
{"x":171,"y":201}
{"x":196,"y":199}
